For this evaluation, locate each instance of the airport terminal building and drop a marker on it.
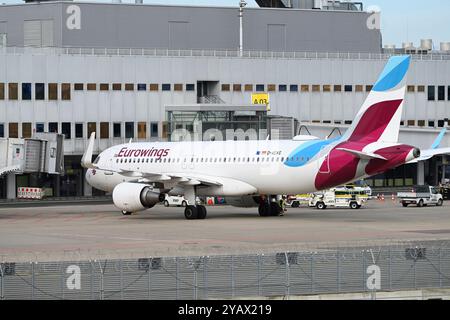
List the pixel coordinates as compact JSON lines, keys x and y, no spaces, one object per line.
{"x":122,"y":70}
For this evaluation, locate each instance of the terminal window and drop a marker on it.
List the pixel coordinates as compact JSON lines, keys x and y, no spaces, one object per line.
{"x":52,"y":91}
{"x":26,"y":130}
{"x":65,"y":130}
{"x":78,"y":130}
{"x":39,"y":91}
{"x":65,"y":91}
{"x":441,"y":93}
{"x":142,"y":130}
{"x":178,"y":87}
{"x":26,"y":91}
{"x":272,"y":87}
{"x":431,"y":123}
{"x":53,"y":127}
{"x":359,"y":88}
{"x":369,"y":88}
{"x":92,"y":86}
{"x":154,"y":129}
{"x":326,"y":88}
{"x":431,"y":93}
{"x":104,"y":130}
{"x":441,"y":123}
{"x":225,"y":87}
{"x":337,"y":88}
{"x":237,"y":87}
{"x":129,"y":87}
{"x":190,"y":87}
{"x":248,"y":87}
{"x":411,"y":88}
{"x":316,"y":88}
{"x":117,"y":132}
{"x":293,"y":88}
{"x":13,"y":91}
{"x":2,"y":91}
{"x":260,"y":87}
{"x":281,"y":88}
{"x":2,"y":130}
{"x":305,"y":88}
{"x":13,"y":130}
{"x":78,"y":86}
{"x":448,"y":93}
{"x":142,"y":87}
{"x":166,"y":87}
{"x":104,"y":86}
{"x":129,"y":130}
{"x":420,"y":88}
{"x":40,"y":127}
{"x":348,"y":88}
{"x":117,"y":86}
{"x":91,"y":127}
{"x":154,"y":87}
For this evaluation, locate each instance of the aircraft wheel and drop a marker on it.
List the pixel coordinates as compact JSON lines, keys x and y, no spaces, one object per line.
{"x":420,"y":204}
{"x":275,"y":209}
{"x":191,"y":212}
{"x":202,"y":212}
{"x":126,"y":213}
{"x":184,"y":204}
{"x":264,"y":210}
{"x":166,"y":203}
{"x":440,"y":203}
{"x":404,"y":204}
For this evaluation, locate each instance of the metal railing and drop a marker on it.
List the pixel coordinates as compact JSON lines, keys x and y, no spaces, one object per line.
{"x":283,"y":274}
{"x":214,"y":53}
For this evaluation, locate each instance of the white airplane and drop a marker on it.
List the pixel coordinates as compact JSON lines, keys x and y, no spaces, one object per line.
{"x":139,"y":175}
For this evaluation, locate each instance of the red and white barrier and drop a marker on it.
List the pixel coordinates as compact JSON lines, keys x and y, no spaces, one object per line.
{"x":30,"y":193}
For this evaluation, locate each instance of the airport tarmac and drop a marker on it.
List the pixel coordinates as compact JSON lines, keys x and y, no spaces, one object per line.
{"x":96,"y":231}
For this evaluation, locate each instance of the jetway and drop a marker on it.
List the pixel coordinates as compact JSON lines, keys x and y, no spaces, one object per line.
{"x":44,"y":153}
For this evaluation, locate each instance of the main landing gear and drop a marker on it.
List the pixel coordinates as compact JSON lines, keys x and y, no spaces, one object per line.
{"x":269,"y":207}
{"x":193,"y":212}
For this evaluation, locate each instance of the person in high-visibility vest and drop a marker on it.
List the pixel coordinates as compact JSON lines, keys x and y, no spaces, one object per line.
{"x":282,"y":205}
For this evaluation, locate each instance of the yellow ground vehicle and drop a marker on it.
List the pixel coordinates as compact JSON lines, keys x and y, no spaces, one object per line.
{"x":340,"y":197}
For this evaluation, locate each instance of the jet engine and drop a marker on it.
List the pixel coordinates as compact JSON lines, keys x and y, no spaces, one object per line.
{"x":133,"y":197}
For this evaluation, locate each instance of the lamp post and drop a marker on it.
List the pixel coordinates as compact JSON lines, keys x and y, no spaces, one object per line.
{"x":242,"y":5}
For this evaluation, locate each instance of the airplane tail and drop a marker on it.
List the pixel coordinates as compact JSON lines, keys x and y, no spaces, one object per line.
{"x":380,"y":115}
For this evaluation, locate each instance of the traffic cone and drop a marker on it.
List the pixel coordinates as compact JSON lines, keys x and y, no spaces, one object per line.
{"x":393,"y":198}
{"x":382,"y":197}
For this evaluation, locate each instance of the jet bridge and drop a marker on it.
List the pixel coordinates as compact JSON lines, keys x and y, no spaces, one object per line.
{"x":44,"y":153}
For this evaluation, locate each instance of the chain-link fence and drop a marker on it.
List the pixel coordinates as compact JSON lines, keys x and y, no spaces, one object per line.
{"x":223,"y":277}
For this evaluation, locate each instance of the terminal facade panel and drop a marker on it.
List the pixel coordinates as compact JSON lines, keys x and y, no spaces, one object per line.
{"x":124,"y":93}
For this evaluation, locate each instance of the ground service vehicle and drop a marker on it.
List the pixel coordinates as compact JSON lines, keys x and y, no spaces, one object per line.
{"x":338,"y":198}
{"x":421,"y":196}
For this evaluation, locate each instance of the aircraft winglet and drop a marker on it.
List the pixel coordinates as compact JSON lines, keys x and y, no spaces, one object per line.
{"x":86,"y":160}
{"x":439,"y":138}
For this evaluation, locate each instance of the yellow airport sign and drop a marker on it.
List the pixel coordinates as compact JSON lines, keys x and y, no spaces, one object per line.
{"x":260,"y":98}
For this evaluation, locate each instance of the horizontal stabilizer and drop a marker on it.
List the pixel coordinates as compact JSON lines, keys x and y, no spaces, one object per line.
{"x":362,"y":155}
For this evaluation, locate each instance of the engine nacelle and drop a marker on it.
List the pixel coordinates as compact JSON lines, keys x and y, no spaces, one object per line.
{"x":133,"y":197}
{"x":243,"y":202}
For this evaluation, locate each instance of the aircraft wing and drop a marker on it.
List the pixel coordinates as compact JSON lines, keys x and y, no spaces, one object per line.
{"x":430,"y":153}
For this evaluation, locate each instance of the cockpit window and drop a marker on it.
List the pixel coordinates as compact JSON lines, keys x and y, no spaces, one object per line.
{"x":97,"y":160}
